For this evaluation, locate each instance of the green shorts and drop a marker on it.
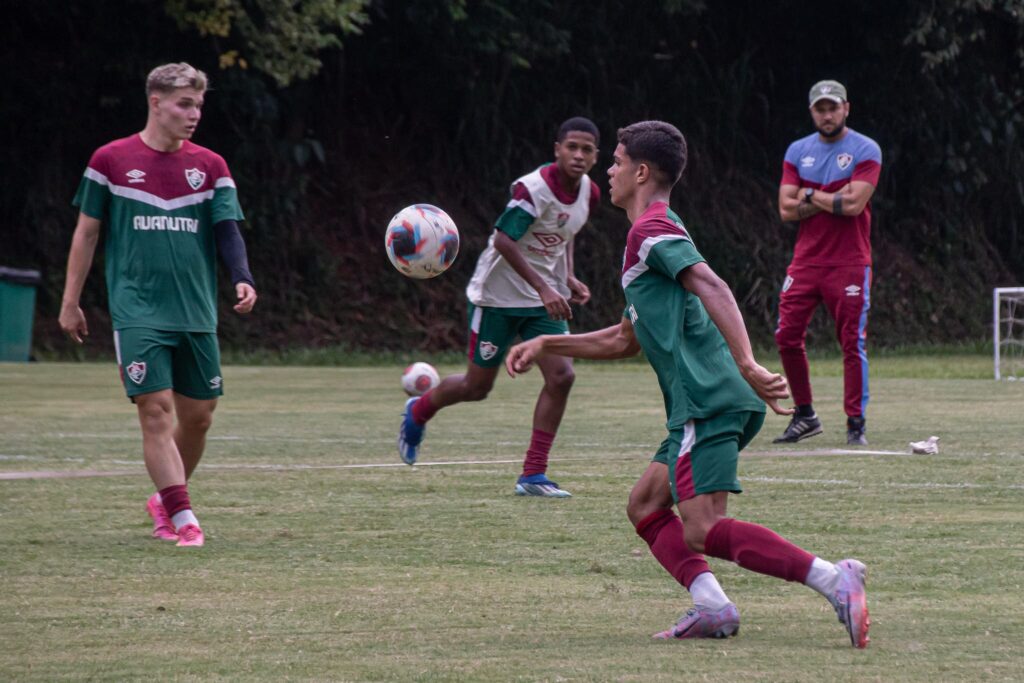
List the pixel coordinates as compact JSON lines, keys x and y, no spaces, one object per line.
{"x":702,"y":456}
{"x":154,"y":360}
{"x":492,"y":330}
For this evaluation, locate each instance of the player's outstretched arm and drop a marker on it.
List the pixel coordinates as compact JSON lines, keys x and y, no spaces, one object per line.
{"x":611,"y":343}
{"x":721,"y":306}
{"x":83,"y":248}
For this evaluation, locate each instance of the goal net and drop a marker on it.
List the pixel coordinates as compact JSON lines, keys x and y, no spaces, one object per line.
{"x":1008,"y":332}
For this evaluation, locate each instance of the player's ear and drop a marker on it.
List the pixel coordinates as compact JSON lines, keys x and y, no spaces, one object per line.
{"x":643,"y":172}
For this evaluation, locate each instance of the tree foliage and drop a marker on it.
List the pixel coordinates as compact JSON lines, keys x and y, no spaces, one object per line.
{"x":282,"y":39}
{"x":448,"y":101}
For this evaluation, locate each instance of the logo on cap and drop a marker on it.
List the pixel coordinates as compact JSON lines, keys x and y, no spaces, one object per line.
{"x":827,"y":90}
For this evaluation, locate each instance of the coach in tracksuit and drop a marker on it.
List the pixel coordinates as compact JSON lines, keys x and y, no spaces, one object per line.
{"x":828,"y":179}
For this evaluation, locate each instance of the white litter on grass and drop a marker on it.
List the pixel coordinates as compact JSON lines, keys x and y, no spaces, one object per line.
{"x":929,"y":446}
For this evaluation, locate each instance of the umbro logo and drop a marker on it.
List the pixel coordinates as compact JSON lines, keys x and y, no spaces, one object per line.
{"x":215,"y":383}
{"x":136,"y":176}
{"x":807,"y":162}
{"x":853,"y":290}
{"x":548,"y":239}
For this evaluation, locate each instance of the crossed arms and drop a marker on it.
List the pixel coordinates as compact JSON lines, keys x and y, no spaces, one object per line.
{"x":852,"y":198}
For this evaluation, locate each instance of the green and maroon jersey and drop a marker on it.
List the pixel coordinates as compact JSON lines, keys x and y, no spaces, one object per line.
{"x":697,"y":374}
{"x":159,"y":209}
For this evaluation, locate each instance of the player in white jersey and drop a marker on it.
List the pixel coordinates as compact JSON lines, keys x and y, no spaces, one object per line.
{"x":522,"y":287}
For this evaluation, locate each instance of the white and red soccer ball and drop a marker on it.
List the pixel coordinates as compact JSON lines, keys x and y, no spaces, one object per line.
{"x":419,"y":378}
{"x":422,"y":241}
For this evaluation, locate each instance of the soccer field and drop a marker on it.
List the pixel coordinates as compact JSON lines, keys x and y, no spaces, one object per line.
{"x":327,"y":559}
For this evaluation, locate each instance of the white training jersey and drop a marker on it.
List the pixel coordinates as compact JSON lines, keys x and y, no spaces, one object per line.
{"x":495,"y":283}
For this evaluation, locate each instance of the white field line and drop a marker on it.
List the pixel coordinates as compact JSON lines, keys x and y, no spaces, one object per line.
{"x":136,"y":436}
{"x":272,"y":467}
{"x":772,"y":453}
{"x":454,"y":442}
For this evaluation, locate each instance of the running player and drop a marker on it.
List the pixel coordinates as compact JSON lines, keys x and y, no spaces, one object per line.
{"x":686,"y":321}
{"x":170,"y":206}
{"x":828,"y":179}
{"x":522,"y":287}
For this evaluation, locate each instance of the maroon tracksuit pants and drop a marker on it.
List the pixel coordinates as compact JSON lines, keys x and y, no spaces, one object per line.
{"x":846,"y":293}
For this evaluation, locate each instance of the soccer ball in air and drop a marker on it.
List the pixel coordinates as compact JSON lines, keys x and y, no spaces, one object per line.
{"x":422,"y":241}
{"x":419,"y":378}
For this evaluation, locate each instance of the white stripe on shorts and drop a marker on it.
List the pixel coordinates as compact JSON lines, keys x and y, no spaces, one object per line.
{"x":478,"y":314}
{"x":689,"y":438}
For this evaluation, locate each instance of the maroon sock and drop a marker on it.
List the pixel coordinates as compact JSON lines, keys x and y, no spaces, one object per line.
{"x":758,"y":549}
{"x":423,"y":409}
{"x":663,"y":532}
{"x":175,"y":499}
{"x":536,"y":461}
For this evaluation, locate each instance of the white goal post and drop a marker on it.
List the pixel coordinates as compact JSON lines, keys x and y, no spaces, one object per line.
{"x":1008,"y":332}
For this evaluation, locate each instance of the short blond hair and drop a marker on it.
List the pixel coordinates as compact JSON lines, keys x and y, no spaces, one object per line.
{"x":169,"y":77}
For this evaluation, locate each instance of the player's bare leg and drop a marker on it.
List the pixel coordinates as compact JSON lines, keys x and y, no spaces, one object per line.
{"x":759,"y":549}
{"x":156,"y":417}
{"x":194,"y":420}
{"x":547,"y":416}
{"x":473,"y":385}
{"x":164,"y":464}
{"x":650,"y":511}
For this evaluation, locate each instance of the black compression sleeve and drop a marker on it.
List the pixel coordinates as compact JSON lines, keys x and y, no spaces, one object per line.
{"x":232,"y":251}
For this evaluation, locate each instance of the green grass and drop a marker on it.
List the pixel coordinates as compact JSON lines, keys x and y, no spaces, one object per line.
{"x":318,"y":567}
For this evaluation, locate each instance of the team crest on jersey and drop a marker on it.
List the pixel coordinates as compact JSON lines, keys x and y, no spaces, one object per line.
{"x":195,"y":178}
{"x":844,"y":160}
{"x":563,"y":218}
{"x":136,"y":371}
{"x":487,"y":350}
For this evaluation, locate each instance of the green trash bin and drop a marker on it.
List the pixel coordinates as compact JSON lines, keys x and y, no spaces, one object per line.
{"x":17,"y":310}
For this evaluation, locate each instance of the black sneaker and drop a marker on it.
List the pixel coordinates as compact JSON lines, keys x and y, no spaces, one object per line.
{"x":855,"y":432}
{"x":800,"y":428}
